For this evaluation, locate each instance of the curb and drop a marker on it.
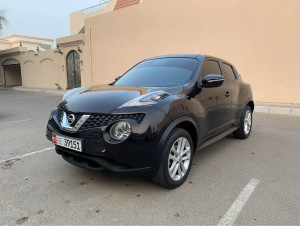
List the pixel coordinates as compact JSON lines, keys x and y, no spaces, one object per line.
{"x":277,"y":110}
{"x":61,"y":92}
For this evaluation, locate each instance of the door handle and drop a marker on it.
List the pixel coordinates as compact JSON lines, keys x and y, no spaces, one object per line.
{"x":227,"y":94}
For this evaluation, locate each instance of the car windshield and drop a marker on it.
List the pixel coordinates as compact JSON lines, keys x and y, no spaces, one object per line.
{"x":159,"y":73}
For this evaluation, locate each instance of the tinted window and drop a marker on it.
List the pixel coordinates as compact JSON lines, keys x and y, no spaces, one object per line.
{"x":229,"y":74}
{"x":211,"y":67}
{"x":159,"y":73}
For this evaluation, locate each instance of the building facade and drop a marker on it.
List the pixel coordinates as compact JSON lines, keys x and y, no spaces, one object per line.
{"x":260,"y":37}
{"x":33,"y":44}
{"x":15,"y":51}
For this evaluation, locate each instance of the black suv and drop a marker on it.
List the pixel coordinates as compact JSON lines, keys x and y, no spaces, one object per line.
{"x":153,"y":118}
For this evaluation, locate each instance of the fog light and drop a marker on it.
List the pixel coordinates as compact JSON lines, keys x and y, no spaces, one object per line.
{"x":120,"y":131}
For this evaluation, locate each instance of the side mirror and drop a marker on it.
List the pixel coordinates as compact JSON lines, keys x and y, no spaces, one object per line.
{"x":210,"y":81}
{"x":117,"y":78}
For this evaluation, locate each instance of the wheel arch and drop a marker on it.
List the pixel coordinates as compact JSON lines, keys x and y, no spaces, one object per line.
{"x":186,"y":123}
{"x":191,"y":129}
{"x":251,"y":105}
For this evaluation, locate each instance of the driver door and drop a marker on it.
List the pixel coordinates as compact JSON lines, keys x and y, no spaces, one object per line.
{"x":214,"y":102}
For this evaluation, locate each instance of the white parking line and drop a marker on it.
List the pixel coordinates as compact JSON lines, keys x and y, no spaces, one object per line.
{"x":28,"y":154}
{"x":238,"y":205}
{"x":24,"y":120}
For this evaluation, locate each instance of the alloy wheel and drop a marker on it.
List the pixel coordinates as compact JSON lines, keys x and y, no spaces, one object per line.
{"x":247,"y":122}
{"x":179,"y":158}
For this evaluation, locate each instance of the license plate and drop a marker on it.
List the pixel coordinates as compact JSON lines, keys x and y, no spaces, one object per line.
{"x":67,"y":142}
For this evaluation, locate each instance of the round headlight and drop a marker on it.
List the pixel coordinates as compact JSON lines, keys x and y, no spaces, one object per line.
{"x":120,"y":130}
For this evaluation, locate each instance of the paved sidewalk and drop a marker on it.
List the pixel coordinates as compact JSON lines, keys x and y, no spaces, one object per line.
{"x":273,"y":108}
{"x":48,"y":91}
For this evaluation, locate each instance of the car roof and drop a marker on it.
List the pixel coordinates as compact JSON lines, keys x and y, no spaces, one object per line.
{"x":195,"y":56}
{"x":217,"y":58}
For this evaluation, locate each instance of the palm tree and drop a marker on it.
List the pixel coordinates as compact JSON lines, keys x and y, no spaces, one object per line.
{"x":2,"y":19}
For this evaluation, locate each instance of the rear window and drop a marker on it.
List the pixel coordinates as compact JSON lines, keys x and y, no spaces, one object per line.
{"x":160,"y":73}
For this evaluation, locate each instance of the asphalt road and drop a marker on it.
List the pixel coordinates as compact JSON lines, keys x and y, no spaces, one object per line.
{"x":44,"y":189}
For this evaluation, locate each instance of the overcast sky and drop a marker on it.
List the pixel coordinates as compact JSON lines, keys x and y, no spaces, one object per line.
{"x":41,"y":18}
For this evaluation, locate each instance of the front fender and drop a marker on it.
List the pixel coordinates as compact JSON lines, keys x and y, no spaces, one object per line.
{"x":166,"y":132}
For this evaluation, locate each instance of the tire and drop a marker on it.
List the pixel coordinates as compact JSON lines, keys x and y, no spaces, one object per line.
{"x":245,"y":127}
{"x":167,"y":175}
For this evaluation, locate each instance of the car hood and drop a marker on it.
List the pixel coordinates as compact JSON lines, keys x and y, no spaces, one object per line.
{"x":106,"y":98}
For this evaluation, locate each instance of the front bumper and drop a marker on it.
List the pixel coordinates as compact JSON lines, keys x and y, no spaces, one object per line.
{"x":136,"y":154}
{"x":96,"y":163}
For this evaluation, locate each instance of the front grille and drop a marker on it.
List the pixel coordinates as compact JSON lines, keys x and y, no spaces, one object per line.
{"x":103,"y":120}
{"x":59,"y":115}
{"x":97,"y":120}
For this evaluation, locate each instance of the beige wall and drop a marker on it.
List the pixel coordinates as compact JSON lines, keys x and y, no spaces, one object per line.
{"x":77,"y":18}
{"x":39,"y":70}
{"x":43,"y":70}
{"x":260,"y":37}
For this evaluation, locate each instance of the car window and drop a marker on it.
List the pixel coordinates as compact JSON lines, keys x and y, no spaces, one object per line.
{"x":159,"y":73}
{"x":211,"y":67}
{"x":229,"y":74}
